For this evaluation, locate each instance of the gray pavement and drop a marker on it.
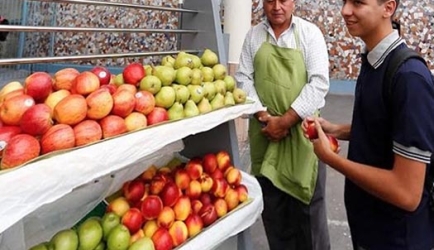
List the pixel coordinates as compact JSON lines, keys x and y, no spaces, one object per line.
{"x":338,"y":109}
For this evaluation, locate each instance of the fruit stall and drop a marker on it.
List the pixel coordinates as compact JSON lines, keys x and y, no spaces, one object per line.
{"x":153,"y":146}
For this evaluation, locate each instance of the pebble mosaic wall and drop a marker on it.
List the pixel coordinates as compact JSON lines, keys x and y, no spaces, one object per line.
{"x":416,"y":17}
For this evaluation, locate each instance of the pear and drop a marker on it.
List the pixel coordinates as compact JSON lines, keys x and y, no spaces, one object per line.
{"x":204,"y":106}
{"x":182,"y":93}
{"x":108,"y":222}
{"x":148,"y":69}
{"x":66,"y":239}
{"x":210,"y":90}
{"x":239,"y":95}
{"x":183,"y":60}
{"x":166,"y":74}
{"x":220,"y":86}
{"x":208,"y":74}
{"x":196,"y":93}
{"x":220,"y":71}
{"x":150,"y":83}
{"x":196,"y":77}
{"x":184,"y":75}
{"x":197,"y":63}
{"x":40,"y":246}
{"x":119,"y":238}
{"x":209,"y":58}
{"x":165,"y":97}
{"x":229,"y":99}
{"x":168,"y":61}
{"x":119,"y":79}
{"x":230,"y":83}
{"x":218,"y":101}
{"x":101,"y":246}
{"x":176,"y":112}
{"x":191,"y":109}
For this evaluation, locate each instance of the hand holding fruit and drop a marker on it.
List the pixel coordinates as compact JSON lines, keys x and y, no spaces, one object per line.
{"x":323,"y":144}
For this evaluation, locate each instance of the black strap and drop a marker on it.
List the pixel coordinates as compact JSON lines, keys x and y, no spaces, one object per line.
{"x":398,"y":57}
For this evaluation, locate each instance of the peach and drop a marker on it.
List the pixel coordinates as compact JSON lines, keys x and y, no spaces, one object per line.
{"x":182,"y":179}
{"x":194,"y":224}
{"x":223,"y":160}
{"x":219,"y":188}
{"x":194,"y":189}
{"x":205,"y":198}
{"x":209,"y":163}
{"x":166,"y":217}
{"x":243,"y":193}
{"x":208,"y":214}
{"x":150,"y":227}
{"x":182,"y":208}
{"x":221,"y":207}
{"x":217,"y":174}
{"x":194,"y":168}
{"x":233,"y":176}
{"x":232,"y":199}
{"x":133,"y":220}
{"x":196,"y":205}
{"x":179,"y":233}
{"x":162,"y":239}
{"x":157,"y":183}
{"x":133,"y":190}
{"x":149,"y":173}
{"x":119,"y":206}
{"x":151,"y":207}
{"x":170,"y":194}
{"x":205,"y":182}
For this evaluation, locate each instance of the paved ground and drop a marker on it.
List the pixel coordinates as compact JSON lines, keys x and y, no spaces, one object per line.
{"x":338,"y":109}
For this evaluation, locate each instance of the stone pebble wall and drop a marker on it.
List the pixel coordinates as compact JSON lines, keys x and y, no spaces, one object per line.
{"x":416,"y":17}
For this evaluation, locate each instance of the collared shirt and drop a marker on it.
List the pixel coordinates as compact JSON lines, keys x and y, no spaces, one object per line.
{"x":314,"y":50}
{"x":376,"y":135}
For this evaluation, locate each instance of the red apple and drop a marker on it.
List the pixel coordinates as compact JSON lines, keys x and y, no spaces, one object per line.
{"x":86,"y":132}
{"x":13,"y":109}
{"x":110,"y":87}
{"x":36,"y":120}
{"x":70,"y":110}
{"x":123,"y":103}
{"x":133,"y":220}
{"x":20,"y":149}
{"x":208,"y":214}
{"x":58,"y":137}
{"x":85,"y":83}
{"x":209,"y":163}
{"x":38,"y":85}
{"x":162,"y":239}
{"x":63,"y":78}
{"x":133,"y":73}
{"x":157,"y":115}
{"x":334,"y":144}
{"x":170,"y":194}
{"x":311,"y":130}
{"x":102,"y":73}
{"x":133,"y":190}
{"x":151,"y":207}
{"x":145,"y":102}
{"x":6,"y":133}
{"x":194,"y":224}
{"x":55,"y":97}
{"x":135,"y":121}
{"x":99,"y":104}
{"x":112,"y":125}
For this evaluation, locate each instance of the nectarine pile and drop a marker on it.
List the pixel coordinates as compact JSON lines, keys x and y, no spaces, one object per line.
{"x":94,"y":105}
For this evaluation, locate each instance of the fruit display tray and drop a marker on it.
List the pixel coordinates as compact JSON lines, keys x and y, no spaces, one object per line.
{"x":61,"y":179}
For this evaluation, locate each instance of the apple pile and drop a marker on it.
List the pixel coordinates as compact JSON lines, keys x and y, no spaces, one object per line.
{"x":71,"y":108}
{"x":172,"y":204}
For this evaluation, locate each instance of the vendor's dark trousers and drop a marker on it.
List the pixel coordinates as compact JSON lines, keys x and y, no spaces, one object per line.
{"x":291,"y":224}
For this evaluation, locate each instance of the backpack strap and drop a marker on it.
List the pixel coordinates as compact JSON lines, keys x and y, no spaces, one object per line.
{"x":398,"y":57}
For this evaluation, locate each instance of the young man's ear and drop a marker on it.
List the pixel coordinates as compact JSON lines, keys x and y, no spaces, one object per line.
{"x":389,"y":8}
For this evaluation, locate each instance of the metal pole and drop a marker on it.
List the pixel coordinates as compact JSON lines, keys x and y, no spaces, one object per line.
{"x":180,"y":14}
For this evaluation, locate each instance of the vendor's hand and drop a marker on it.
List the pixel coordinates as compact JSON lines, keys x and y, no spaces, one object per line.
{"x":274,"y":130}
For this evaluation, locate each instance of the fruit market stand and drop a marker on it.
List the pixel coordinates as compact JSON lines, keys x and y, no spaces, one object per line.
{"x":55,"y":191}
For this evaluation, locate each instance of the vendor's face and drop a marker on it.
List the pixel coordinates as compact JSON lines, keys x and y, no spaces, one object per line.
{"x":279,"y":12}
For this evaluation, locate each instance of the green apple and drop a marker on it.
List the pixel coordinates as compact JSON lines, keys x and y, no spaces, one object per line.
{"x":150,"y":83}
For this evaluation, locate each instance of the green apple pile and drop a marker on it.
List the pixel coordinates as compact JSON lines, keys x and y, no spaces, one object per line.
{"x":161,"y":208}
{"x":48,"y":113}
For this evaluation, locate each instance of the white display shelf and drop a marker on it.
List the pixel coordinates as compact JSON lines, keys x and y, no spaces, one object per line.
{"x":24,"y":190}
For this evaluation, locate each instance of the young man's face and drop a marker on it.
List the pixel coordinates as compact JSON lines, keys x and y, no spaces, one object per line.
{"x":363,"y":17}
{"x":278,"y":12}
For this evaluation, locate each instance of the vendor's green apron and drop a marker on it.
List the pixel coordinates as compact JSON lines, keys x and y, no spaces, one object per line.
{"x":291,"y":165}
